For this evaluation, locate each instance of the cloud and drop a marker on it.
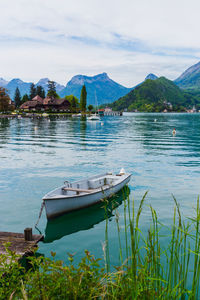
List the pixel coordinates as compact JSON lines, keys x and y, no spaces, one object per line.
{"x":127,"y":39}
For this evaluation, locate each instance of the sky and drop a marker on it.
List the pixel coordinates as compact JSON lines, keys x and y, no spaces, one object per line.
{"x":127,"y":39}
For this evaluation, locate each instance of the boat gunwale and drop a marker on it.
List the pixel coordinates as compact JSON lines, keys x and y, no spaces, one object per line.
{"x":85,"y":194}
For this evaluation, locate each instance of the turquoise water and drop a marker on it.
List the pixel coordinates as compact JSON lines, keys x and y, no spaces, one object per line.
{"x":38,"y":155}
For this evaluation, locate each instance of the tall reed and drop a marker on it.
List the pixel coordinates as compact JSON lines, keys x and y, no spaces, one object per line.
{"x":147,"y":269}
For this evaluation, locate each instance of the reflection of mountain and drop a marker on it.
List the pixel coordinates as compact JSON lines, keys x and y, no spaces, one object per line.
{"x":83,"y":219}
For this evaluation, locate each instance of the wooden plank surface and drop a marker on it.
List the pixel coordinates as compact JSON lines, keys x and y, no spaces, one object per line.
{"x":18,"y":243}
{"x":77,"y":190}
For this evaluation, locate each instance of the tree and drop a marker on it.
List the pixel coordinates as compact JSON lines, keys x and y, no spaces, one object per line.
{"x":90,"y":107}
{"x":32,"y":91}
{"x":17,"y":98}
{"x":74,"y":102}
{"x":73,"y":105}
{"x":52,"y":90}
{"x":40,"y":91}
{"x":4,"y":100}
{"x":25,"y":98}
{"x":83,"y":98}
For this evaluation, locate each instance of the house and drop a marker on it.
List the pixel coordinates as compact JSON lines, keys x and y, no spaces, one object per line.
{"x":46,"y":104}
{"x":101,"y":112}
{"x":108,"y":109}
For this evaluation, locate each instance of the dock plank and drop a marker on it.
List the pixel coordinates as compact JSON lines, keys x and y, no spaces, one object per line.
{"x":17,"y":243}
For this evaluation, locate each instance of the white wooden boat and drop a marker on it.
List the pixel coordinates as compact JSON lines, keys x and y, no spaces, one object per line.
{"x":76,"y":115}
{"x":83,"y":193}
{"x":85,"y":218}
{"x":94,"y":117}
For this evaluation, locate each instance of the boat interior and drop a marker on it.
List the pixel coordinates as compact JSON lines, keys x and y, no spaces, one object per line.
{"x":91,"y":185}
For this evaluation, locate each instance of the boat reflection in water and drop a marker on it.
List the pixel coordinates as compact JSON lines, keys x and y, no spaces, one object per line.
{"x":83,"y":219}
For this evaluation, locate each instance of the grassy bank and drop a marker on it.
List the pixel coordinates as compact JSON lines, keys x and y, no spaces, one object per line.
{"x":146,"y":270}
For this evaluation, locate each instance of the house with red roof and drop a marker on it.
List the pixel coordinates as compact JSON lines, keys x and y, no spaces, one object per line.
{"x":46,"y":104}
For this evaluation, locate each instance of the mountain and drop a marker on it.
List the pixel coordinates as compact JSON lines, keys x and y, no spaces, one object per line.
{"x":106,"y":89}
{"x":3,"y":82}
{"x":156,"y":95}
{"x":190,"y":79}
{"x":44,"y":83}
{"x":151,"y":76}
{"x":24,"y":87}
{"x":11,"y":86}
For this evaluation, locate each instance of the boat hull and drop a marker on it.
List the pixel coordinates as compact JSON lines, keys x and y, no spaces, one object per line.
{"x":59,"y":206}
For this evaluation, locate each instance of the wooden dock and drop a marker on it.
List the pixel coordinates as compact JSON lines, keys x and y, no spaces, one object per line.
{"x":19,"y":243}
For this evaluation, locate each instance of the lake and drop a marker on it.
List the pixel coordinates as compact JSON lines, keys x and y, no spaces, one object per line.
{"x":38,"y":155}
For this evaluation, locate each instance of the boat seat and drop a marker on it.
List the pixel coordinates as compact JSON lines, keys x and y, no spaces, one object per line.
{"x":101,"y":181}
{"x":96,"y":183}
{"x":76,"y":190}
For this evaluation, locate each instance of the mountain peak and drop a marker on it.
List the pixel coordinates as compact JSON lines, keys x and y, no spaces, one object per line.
{"x":16,"y":81}
{"x":82,"y":79}
{"x":190,"y":78}
{"x":3,"y":82}
{"x":151,"y":76}
{"x":193,"y":69}
{"x":43,"y":81}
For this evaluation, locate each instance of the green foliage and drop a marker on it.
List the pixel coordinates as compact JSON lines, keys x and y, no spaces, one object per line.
{"x":74,"y":102}
{"x":40,"y":91}
{"x":4,"y":100}
{"x":156,"y":96}
{"x":71,"y":98}
{"x":25,"y":98}
{"x":90,"y":107}
{"x":83,"y":99}
{"x":17,"y":98}
{"x":52,"y":90}
{"x":32,"y":92}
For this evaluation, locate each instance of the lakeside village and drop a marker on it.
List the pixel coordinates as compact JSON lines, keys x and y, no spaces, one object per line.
{"x":39,"y":104}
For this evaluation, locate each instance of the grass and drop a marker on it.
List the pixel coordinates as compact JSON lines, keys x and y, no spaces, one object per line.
{"x":147,"y":270}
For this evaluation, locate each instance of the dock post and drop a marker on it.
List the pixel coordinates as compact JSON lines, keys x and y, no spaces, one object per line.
{"x":28,"y":236}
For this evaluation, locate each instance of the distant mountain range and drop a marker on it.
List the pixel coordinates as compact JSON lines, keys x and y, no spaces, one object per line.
{"x":156,"y":96}
{"x":101,"y":89}
{"x":24,"y":87}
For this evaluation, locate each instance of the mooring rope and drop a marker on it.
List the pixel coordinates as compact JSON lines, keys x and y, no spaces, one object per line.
{"x":41,"y":209}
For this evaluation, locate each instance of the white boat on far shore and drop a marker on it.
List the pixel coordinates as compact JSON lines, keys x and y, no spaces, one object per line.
{"x":83,"y":193}
{"x":93,"y":117}
{"x":76,"y":115}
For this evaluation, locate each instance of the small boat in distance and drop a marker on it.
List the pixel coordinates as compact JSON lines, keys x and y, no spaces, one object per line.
{"x":94,"y":117}
{"x":76,"y":115}
{"x":83,"y":193}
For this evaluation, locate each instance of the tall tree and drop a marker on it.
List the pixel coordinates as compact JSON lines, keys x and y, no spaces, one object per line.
{"x":73,"y":104}
{"x":4,"y":100}
{"x":25,"y":98}
{"x":52,"y":89}
{"x":83,"y":98}
{"x":32,"y":93}
{"x":17,"y":98}
{"x":40,"y":91}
